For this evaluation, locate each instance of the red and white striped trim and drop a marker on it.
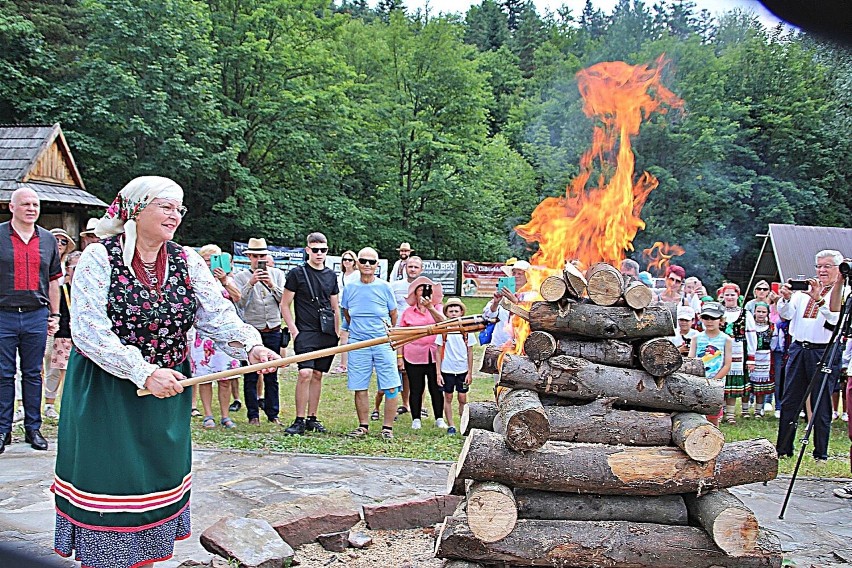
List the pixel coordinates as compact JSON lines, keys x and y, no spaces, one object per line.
{"x":120,"y":503}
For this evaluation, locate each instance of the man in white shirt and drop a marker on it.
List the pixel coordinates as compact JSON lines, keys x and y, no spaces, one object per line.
{"x":811,"y":324}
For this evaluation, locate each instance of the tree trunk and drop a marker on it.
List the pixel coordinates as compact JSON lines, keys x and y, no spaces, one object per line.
{"x":731,"y":525}
{"x":613,"y":470}
{"x":638,"y":296}
{"x":553,"y":288}
{"x":578,"y":379}
{"x":608,"y":351}
{"x":596,"y":422}
{"x":693,"y":366}
{"x":600,"y":544}
{"x":575,"y":280}
{"x":490,"y":359}
{"x":523,"y":418}
{"x":540,"y":346}
{"x":696,"y":436}
{"x":605,"y":284}
{"x":551,"y":506}
{"x":601,"y":322}
{"x":491,"y":510}
{"x":477,"y":415}
{"x":660,"y":357}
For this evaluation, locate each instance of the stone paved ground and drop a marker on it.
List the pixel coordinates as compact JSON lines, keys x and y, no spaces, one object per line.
{"x":817,"y":530}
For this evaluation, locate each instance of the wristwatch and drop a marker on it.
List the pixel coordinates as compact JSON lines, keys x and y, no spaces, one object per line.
{"x":54,"y":316}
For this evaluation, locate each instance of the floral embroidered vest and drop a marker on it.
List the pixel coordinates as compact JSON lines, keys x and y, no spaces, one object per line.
{"x":156,"y":324}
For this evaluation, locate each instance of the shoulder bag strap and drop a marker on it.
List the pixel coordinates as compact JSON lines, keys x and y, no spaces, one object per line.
{"x":314,"y":297}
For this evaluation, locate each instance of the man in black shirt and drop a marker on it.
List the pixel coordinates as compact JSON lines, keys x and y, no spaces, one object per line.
{"x":316,"y":326}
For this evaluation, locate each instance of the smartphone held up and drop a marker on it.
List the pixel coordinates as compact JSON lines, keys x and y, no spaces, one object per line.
{"x":222,"y":261}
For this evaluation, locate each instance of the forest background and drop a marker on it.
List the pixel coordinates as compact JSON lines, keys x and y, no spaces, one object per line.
{"x":381,"y":125}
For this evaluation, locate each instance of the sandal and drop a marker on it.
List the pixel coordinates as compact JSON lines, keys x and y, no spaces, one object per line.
{"x":195,"y":413}
{"x":731,"y":420}
{"x":387,"y":435}
{"x":374,"y":415}
{"x":339,"y":370}
{"x":208,"y":422}
{"x":401,"y":410}
{"x":227,"y":422}
{"x":359,"y":432}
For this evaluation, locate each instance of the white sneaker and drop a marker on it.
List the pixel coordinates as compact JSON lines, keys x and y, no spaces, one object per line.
{"x":440,"y":423}
{"x":767,"y":407}
{"x":415,"y":424}
{"x":19,"y":415}
{"x":50,"y":412}
{"x":845,"y":417}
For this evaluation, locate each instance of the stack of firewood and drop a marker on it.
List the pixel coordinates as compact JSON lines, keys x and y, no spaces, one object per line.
{"x":597,"y":451}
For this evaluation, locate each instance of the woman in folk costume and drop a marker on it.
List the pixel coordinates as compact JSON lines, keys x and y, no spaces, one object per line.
{"x":739,"y":324}
{"x":123,"y":476}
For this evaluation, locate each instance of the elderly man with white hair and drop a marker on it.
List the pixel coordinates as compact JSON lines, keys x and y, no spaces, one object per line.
{"x":812,"y":321}
{"x":30,"y":273}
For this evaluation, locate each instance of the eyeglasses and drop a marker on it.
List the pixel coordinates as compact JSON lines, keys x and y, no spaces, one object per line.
{"x":62,"y":241}
{"x":370,"y":261}
{"x":762,"y":289}
{"x":317,"y":250}
{"x":826,"y":266}
{"x":168,"y":209}
{"x":348,"y":260}
{"x":710,"y":318}
{"x":675,"y":280}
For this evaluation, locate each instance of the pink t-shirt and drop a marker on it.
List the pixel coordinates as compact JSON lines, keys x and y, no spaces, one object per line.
{"x":423,"y":350}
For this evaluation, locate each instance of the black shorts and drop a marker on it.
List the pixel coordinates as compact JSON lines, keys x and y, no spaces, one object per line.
{"x":454,"y":381}
{"x":308,"y":341}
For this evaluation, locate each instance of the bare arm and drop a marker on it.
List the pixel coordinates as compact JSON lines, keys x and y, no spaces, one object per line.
{"x":335,"y":305}
{"x":393,"y":315}
{"x":287,"y":312}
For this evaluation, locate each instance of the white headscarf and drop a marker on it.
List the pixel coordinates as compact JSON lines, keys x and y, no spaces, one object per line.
{"x":121,"y":214}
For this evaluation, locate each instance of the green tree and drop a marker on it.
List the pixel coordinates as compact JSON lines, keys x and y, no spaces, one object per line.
{"x":25,"y":61}
{"x":486,"y":26}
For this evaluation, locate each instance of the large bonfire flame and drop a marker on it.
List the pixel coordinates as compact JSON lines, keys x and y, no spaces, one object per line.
{"x":597,"y":221}
{"x":659,"y":256}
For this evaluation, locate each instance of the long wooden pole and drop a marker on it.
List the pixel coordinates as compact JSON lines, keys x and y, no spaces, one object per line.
{"x":276,"y":363}
{"x":397,"y":337}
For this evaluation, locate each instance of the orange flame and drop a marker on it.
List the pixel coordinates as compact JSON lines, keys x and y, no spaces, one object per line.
{"x":659,"y":256}
{"x":597,"y":222}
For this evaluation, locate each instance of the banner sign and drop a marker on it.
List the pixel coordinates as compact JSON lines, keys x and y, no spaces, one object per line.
{"x":480,"y":278}
{"x":444,"y":272}
{"x":287,"y":258}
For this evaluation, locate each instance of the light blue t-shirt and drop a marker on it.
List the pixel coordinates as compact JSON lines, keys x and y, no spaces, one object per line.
{"x":711,"y":352}
{"x":369,"y":306}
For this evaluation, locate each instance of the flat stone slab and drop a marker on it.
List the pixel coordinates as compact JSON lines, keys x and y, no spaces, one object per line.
{"x":410,"y":514}
{"x":300,"y":522}
{"x":334,"y":542}
{"x":251,"y":542}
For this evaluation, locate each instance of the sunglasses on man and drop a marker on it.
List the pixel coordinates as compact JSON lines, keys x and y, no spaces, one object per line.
{"x":370,"y":261}
{"x":317,"y":250}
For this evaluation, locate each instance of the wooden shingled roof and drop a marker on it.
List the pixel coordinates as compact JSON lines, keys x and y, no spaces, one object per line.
{"x":38,"y":156}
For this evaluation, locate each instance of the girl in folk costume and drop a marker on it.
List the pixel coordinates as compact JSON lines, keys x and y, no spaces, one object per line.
{"x":123,"y":476}
{"x":739,"y":324}
{"x":760,"y":371}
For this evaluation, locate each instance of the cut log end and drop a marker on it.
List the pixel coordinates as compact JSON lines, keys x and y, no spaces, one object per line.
{"x":540,"y":346}
{"x":553,"y":288}
{"x":659,"y":357}
{"x":491,"y":510}
{"x":735,"y":531}
{"x":605,"y":284}
{"x":704,"y":443}
{"x":638,"y":296}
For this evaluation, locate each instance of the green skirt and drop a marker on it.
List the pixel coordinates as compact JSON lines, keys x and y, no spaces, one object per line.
{"x":123,"y":461}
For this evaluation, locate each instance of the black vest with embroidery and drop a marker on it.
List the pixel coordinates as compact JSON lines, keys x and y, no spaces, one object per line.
{"x":156,"y":324}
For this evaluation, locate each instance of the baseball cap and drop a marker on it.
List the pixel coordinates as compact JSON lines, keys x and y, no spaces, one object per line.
{"x":712,"y":309}
{"x":685,"y":313}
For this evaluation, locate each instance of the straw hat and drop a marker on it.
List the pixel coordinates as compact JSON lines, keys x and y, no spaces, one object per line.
{"x":256,"y":246}
{"x":454,"y":302}
{"x":437,"y":290}
{"x":91,"y":225}
{"x":61,"y":233}
{"x":405,"y":246}
{"x":512,"y":264}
